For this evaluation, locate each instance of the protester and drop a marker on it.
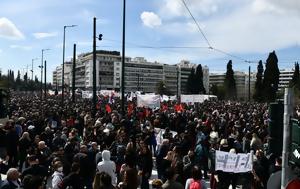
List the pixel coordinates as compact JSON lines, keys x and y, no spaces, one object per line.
{"x":196,"y":181}
{"x":12,"y":181}
{"x":171,"y":177}
{"x":41,"y":132}
{"x":107,"y":166}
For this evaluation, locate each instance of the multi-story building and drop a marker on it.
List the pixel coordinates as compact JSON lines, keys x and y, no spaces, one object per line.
{"x":54,"y":78}
{"x":171,"y":78}
{"x":241,"y":81}
{"x":185,"y":68}
{"x":57,"y":75}
{"x":285,"y":77}
{"x":140,"y":75}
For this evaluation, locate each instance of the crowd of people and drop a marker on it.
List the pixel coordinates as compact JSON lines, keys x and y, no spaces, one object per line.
{"x":65,"y":143}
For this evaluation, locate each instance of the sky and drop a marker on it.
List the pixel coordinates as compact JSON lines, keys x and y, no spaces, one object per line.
{"x":159,"y":30}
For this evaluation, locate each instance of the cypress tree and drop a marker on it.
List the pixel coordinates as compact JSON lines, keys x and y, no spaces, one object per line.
{"x":190,"y":85}
{"x":199,"y":81}
{"x":229,"y":83}
{"x":271,"y":78}
{"x":258,"y":93}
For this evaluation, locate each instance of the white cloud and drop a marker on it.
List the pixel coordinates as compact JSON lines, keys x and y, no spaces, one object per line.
{"x":27,"y":48}
{"x":150,"y":19}
{"x":9,"y":30}
{"x":41,"y":35}
{"x":247,"y":27}
{"x":175,"y":8}
{"x":277,"y":6}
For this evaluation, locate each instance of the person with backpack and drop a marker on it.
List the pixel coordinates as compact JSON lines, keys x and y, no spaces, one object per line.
{"x":196,"y":181}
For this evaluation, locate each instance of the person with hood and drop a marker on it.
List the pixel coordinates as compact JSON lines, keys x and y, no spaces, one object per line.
{"x":108,"y":166}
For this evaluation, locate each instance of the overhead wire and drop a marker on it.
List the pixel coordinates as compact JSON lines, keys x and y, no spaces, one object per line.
{"x":199,"y":28}
{"x":208,"y":43}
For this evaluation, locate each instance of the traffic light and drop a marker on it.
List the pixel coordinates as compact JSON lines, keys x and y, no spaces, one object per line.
{"x":100,"y":37}
{"x":276,"y":111}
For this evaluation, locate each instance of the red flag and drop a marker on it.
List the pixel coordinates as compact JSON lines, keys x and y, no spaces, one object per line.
{"x":108,"y":108}
{"x":147,"y":112}
{"x":164,"y":107}
{"x":130,"y":108}
{"x":178,"y":107}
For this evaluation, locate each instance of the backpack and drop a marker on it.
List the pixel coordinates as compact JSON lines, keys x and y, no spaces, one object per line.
{"x":195,"y":184}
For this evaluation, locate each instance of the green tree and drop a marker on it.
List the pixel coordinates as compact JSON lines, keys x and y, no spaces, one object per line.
{"x":162,"y":89}
{"x":198,"y":80}
{"x":36,"y":80}
{"x":219,"y":91}
{"x":18,"y":79}
{"x":25,"y":77}
{"x":296,"y":77}
{"x":229,"y":83}
{"x":190,"y":85}
{"x":271,"y":78}
{"x":258,"y":91}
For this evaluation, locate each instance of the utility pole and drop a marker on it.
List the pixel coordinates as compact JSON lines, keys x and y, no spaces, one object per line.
{"x":42,"y":74}
{"x":45,"y":83}
{"x":123,"y":60}
{"x":177,"y":86}
{"x":32,"y":68}
{"x":138,"y":82}
{"x":94,"y":67}
{"x":41,"y":66}
{"x":288,"y":112}
{"x":63,"y":65}
{"x":73,"y":76}
{"x":249,"y":94}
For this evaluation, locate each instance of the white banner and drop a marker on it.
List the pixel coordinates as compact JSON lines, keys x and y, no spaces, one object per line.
{"x":191,"y":99}
{"x":150,"y":101}
{"x":87,"y":94}
{"x":231,"y":162}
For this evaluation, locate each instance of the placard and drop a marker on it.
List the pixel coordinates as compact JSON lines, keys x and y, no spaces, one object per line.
{"x":231,"y":162}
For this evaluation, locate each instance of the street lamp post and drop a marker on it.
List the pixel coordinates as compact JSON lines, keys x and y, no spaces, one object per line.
{"x":63,"y":65}
{"x":94,"y":65}
{"x":45,"y":83}
{"x":41,"y":66}
{"x":123,"y":60}
{"x":32,"y":67}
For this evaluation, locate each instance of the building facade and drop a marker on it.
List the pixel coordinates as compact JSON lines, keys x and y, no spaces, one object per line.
{"x":185,"y":67}
{"x":285,"y":77}
{"x":140,"y":74}
{"x":241,"y":81}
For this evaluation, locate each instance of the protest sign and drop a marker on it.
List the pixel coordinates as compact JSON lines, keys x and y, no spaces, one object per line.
{"x":148,"y":100}
{"x":231,"y":162}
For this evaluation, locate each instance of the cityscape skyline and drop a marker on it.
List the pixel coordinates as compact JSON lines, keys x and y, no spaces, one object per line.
{"x":248,"y":30}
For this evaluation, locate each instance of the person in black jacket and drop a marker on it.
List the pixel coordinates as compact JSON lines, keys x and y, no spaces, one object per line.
{"x":12,"y":181}
{"x":3,"y":142}
{"x":35,"y":169}
{"x":145,"y":165}
{"x":12,"y":143}
{"x":73,"y":179}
